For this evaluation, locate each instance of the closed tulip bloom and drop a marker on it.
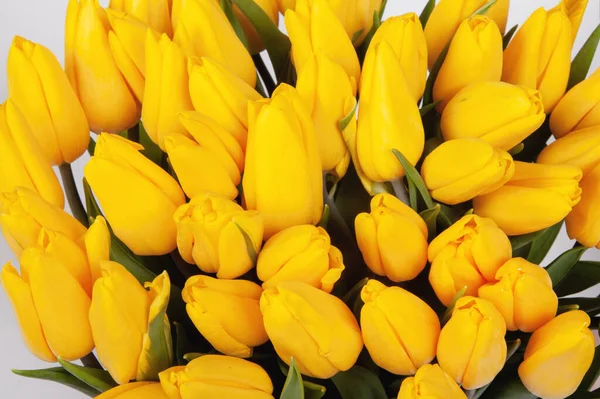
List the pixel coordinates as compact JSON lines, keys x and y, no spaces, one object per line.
{"x":254,"y":41}
{"x":137,"y":196}
{"x":215,"y":376}
{"x":467,"y":254}
{"x":300,"y":253}
{"x":574,"y":10}
{"x":212,"y":232}
{"x":499,"y":113}
{"x":315,"y":328}
{"x":405,"y":34}
{"x":221,"y":95}
{"x":539,"y":56}
{"x":135,"y":390}
{"x":155,"y":13}
{"x":400,"y":331}
{"x":582,"y":222}
{"x":471,"y":348}
{"x":523,"y":294}
{"x":562,"y":349}
{"x":474,"y":55}
{"x":282,"y":178}
{"x":378,"y":235}
{"x":430,"y":382}
{"x":536,"y":197}
{"x":579,"y":108}
{"x":212,"y":150}
{"x":580,"y":148}
{"x":23,"y":161}
{"x":459,"y":170}
{"x":40,"y":89}
{"x":227,"y":313}
{"x":203,"y":30}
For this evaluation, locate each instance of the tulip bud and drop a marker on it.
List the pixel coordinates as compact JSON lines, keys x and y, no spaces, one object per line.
{"x":326,"y":90}
{"x":562,"y":349}
{"x":154,"y":13}
{"x":405,"y":34}
{"x":582,"y":222}
{"x":459,"y":170}
{"x":539,"y":56}
{"x":137,"y":196}
{"x":135,"y":390}
{"x":574,"y":10}
{"x":400,"y":331}
{"x":214,"y":233}
{"x":166,"y":93}
{"x":23,"y":213}
{"x":447,"y":16}
{"x":471,"y":348}
{"x":523,"y":294}
{"x":227,"y":313}
{"x":430,"y":382}
{"x":499,"y":113}
{"x":314,"y":29}
{"x":467,"y":254}
{"x":203,"y":30}
{"x":97,"y":246}
{"x":215,"y":376}
{"x":212,"y":150}
{"x":222,"y":96}
{"x":474,"y":55}
{"x":126,"y":321}
{"x":282,"y":178}
{"x":392,"y":239}
{"x":536,"y":197}
{"x":255,"y":43}
{"x":23,"y":162}
{"x":300,"y":253}
{"x":388,"y":117}
{"x":579,"y":108}
{"x":40,"y":89}
{"x":580,"y":148}
{"x":315,"y":328}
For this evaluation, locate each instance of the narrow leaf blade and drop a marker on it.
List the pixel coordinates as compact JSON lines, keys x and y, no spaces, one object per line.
{"x":293,"y":387}
{"x":584,"y":275}
{"x":359,"y":383}
{"x":426,"y":13}
{"x":583,"y":60}
{"x":542,"y":244}
{"x":561,"y":266}
{"x":61,"y":376}
{"x":412,"y":174}
{"x":98,"y":379}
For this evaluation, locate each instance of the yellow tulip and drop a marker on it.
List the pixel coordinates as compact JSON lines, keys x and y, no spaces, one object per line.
{"x":155,"y":13}
{"x":582,"y":222}
{"x":574,"y":10}
{"x":313,"y":29}
{"x":388,"y":118}
{"x":392,"y":239}
{"x":23,"y":161}
{"x":579,"y":148}
{"x":212,"y":150}
{"x":523,"y":294}
{"x":214,"y":376}
{"x":222,"y":96}
{"x":315,"y":328}
{"x":135,"y":390}
{"x":579,"y":108}
{"x":137,"y":196}
{"x":202,"y":30}
{"x":326,"y":90}
{"x":471,"y":348}
{"x":467,"y":254}
{"x":536,"y":197}
{"x":400,"y":331}
{"x":562,"y":349}
{"x":430,"y":382}
{"x":227,"y":313}
{"x":449,"y":14}
{"x":474,"y":55}
{"x":405,"y":34}
{"x":123,"y":315}
{"x":539,"y":56}
{"x":459,"y":170}
{"x":282,"y":178}
{"x":105,"y":63}
{"x":97,"y":246}
{"x":40,"y":89}
{"x":254,"y":41}
{"x":499,"y":113}
{"x":212,"y":233}
{"x":300,"y":253}
{"x":166,"y":93}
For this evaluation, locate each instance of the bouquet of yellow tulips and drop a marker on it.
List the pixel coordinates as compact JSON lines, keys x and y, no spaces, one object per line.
{"x":356,"y":209}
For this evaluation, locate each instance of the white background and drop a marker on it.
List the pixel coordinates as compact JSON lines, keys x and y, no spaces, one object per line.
{"x":42,"y":21}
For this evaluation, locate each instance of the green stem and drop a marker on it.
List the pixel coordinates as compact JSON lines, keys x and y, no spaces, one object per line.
{"x":264,"y":73}
{"x":66,"y":173}
{"x":90,"y":360}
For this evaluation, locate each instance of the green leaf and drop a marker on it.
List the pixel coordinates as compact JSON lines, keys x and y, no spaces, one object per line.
{"x":343,"y":124}
{"x":484,"y":9}
{"x":151,"y":150}
{"x":561,"y":266}
{"x":98,"y":379}
{"x":249,"y":244}
{"x":583,"y":60}
{"x":181,"y":343}
{"x":426,"y":13}
{"x":412,"y":196}
{"x":428,"y":107}
{"x":227,"y":8}
{"x":325,"y":218}
{"x":412,"y":174}
{"x":511,"y":389}
{"x":359,"y":383}
{"x":508,"y":36}
{"x":354,"y":291}
{"x":293,"y":387}
{"x":542,"y":244}
{"x":512,"y":347}
{"x":430,"y":217}
{"x":518,"y":242}
{"x":311,"y":390}
{"x":450,"y":309}
{"x":91,"y":146}
{"x":584,"y":275}
{"x":590,"y":306}
{"x":516,"y":150}
{"x":593,"y":372}
{"x":61,"y":376}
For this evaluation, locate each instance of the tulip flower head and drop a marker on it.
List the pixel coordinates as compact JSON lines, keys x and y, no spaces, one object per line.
{"x":574,"y":10}
{"x":582,"y":222}
{"x":430,"y":382}
{"x":135,"y":390}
